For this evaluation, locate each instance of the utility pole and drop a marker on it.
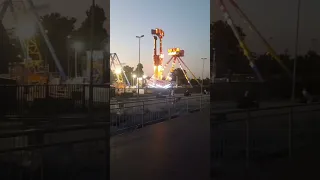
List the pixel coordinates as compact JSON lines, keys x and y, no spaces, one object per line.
{"x":296,"y":53}
{"x":203,"y":59}
{"x":139,"y":75}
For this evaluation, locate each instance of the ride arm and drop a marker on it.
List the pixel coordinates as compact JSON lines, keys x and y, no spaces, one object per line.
{"x":242,"y":44}
{"x":252,"y":26}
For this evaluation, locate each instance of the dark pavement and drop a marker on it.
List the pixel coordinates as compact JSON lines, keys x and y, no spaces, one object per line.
{"x":268,"y":145}
{"x":171,"y":150}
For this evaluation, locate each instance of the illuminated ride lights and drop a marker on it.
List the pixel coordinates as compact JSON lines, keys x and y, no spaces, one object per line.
{"x":116,"y":66}
{"x":157,"y":58}
{"x":176,"y":54}
{"x":154,"y":83}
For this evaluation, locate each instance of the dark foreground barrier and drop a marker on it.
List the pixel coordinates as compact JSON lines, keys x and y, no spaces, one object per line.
{"x":265,"y":91}
{"x":244,"y":140}
{"x":78,"y":151}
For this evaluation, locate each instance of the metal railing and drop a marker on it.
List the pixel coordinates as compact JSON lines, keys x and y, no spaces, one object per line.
{"x":25,"y":99}
{"x":242,"y":137}
{"x":129,"y":115}
{"x":30,"y":99}
{"x":72,"y":147}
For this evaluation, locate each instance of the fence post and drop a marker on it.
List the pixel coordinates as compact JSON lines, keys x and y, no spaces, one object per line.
{"x":247,"y":138}
{"x":290,"y":133}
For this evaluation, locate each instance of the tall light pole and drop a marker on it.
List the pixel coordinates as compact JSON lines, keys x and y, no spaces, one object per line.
{"x":139,"y":37}
{"x":296,"y":53}
{"x":203,"y":59}
{"x":91,"y":54}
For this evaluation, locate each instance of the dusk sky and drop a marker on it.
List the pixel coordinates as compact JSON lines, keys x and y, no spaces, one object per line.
{"x":186,"y":24}
{"x":277,"y":19}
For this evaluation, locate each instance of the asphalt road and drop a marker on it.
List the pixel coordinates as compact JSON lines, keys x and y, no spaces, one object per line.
{"x":177,"y":149}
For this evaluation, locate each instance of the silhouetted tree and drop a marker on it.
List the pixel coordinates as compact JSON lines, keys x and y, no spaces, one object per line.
{"x":228,"y":54}
{"x":100,"y":33}
{"x":8,"y":51}
{"x":58,"y":28}
{"x":128,"y":71}
{"x":139,"y":70}
{"x":178,"y":73}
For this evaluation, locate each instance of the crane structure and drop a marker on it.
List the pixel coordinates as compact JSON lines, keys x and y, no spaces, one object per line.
{"x":242,"y":44}
{"x":117,"y":68}
{"x":157,"y":58}
{"x":37,"y":71}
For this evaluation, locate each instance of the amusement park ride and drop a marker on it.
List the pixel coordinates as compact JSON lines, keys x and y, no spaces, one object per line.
{"x":242,"y":44}
{"x":157,"y":59}
{"x":32,"y":70}
{"x":176,"y":54}
{"x":157,"y":80}
{"x":116,"y":67}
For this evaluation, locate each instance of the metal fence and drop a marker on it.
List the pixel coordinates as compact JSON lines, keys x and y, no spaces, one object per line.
{"x":26,"y":99}
{"x":52,"y":99}
{"x":55,"y":152}
{"x":242,"y":138}
{"x":129,"y":115}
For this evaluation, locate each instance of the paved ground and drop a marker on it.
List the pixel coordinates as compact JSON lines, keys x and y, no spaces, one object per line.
{"x":227,"y":105}
{"x":268,"y":144}
{"x":177,"y":149}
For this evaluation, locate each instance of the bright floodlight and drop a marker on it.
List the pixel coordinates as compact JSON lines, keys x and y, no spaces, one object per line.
{"x":144,"y":76}
{"x":134,"y":76}
{"x":78,"y":45}
{"x":118,"y":71}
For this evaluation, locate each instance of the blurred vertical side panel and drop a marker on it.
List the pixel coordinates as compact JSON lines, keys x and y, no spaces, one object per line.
{"x":212,"y":77}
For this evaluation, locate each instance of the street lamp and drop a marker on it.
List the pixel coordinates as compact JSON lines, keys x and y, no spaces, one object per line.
{"x":77,"y":47}
{"x":203,"y":59}
{"x":139,"y":37}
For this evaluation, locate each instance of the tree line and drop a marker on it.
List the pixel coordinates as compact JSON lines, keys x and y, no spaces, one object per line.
{"x":230,"y":59}
{"x":62,"y":33}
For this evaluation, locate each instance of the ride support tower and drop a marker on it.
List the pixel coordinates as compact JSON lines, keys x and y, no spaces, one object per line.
{"x":176,"y":56}
{"x":157,"y":59}
{"x":117,"y":68}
